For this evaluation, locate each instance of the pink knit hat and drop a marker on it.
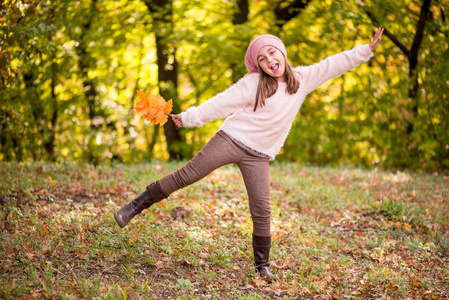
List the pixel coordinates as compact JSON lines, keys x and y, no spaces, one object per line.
{"x":259,"y":42}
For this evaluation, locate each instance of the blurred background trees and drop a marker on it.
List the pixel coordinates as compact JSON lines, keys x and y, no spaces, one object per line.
{"x":69,"y":71}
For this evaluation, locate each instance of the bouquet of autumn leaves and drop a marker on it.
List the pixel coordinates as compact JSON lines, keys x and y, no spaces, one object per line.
{"x":153,"y":108}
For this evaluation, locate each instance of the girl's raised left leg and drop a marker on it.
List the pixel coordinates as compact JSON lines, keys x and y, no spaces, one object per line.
{"x":219,"y":151}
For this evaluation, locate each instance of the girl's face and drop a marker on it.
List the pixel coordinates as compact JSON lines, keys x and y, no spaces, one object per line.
{"x":272,"y":62}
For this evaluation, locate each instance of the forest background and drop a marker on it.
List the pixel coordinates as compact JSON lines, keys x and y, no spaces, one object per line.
{"x":70,"y":70}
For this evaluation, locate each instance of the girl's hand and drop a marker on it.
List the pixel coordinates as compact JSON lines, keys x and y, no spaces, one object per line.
{"x":375,"y":41}
{"x":177,"y":120}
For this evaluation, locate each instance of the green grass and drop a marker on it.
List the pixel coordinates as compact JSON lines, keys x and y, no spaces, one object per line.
{"x":348,"y":233}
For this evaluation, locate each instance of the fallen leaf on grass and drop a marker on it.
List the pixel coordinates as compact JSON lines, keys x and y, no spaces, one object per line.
{"x":36,"y":293}
{"x":159,"y":265}
{"x":336,"y":296}
{"x":287,"y":264}
{"x":165,"y":257}
{"x":323,"y":297}
{"x":134,"y":237}
{"x":179,"y":213}
{"x":258,"y":282}
{"x":415,"y":282}
{"x":184,"y":261}
{"x":429,"y":295}
{"x":247,"y":287}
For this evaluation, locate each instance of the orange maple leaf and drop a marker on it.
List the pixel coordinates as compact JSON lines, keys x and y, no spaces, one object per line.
{"x":153,"y":108}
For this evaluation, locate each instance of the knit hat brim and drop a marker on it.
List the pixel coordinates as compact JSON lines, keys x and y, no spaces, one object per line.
{"x":258,"y":43}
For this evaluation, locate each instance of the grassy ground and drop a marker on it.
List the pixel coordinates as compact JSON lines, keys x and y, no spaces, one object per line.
{"x":337,"y":234}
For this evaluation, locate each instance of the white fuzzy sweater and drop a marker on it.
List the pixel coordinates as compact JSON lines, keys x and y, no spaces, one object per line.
{"x":266,"y":129}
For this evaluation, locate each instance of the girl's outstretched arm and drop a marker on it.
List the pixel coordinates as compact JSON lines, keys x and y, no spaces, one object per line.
{"x":375,"y":41}
{"x":236,"y":97}
{"x":336,"y":65}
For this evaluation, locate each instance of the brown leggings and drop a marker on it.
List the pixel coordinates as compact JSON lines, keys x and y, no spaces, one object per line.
{"x":255,"y":168}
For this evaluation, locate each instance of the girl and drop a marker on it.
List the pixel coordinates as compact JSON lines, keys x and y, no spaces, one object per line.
{"x":260,"y":109}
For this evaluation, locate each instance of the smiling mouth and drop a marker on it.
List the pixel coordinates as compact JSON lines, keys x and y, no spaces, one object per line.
{"x":274,"y":67}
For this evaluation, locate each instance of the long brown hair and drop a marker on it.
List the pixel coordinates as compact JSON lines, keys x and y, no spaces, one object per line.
{"x":268,"y":85}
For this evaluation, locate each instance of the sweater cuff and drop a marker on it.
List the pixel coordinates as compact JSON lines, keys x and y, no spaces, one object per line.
{"x":190,"y":118}
{"x":367,"y":53}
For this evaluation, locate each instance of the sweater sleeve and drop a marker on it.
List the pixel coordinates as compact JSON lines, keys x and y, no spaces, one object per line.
{"x":333,"y":66}
{"x":236,"y":97}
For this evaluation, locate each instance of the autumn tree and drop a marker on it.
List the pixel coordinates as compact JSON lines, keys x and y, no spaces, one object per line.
{"x":28,"y":110}
{"x":424,"y":23}
{"x":162,"y":14}
{"x":412,"y":54}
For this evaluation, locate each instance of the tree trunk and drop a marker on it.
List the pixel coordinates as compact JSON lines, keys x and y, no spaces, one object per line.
{"x":84,"y":60}
{"x":240,"y":17}
{"x":50,"y":141}
{"x":162,"y":14}
{"x":241,"y":12}
{"x":413,"y":60}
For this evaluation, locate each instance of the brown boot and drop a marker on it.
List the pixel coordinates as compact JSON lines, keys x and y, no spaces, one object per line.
{"x":152,"y":195}
{"x":261,"y":248}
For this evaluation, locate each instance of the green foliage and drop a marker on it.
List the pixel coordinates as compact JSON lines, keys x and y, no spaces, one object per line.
{"x":26,"y":43}
{"x":363,"y":116}
{"x":69,"y":72}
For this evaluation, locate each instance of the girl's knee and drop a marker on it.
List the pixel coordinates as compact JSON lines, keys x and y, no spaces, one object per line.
{"x":262,"y":224}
